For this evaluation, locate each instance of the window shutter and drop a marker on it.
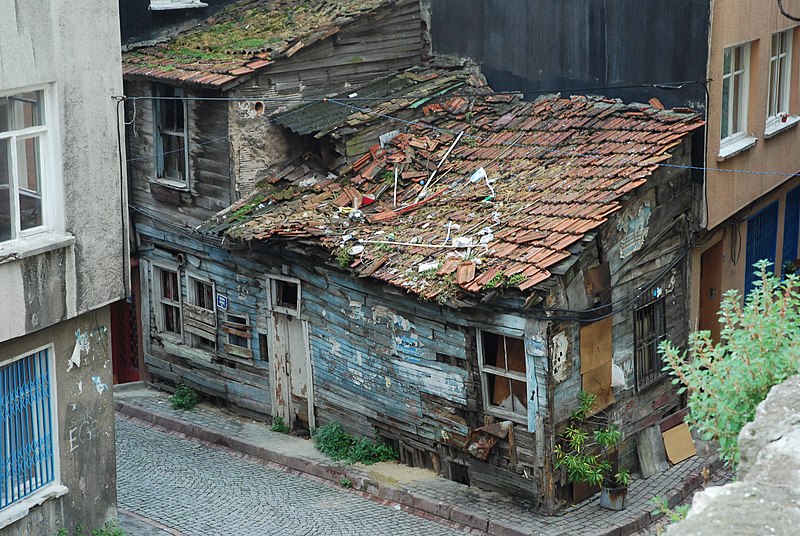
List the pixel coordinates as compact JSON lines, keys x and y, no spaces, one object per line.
{"x":791,"y":226}
{"x":762,"y":234}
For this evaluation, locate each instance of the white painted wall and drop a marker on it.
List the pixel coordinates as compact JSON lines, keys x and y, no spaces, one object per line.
{"x":74,"y":46}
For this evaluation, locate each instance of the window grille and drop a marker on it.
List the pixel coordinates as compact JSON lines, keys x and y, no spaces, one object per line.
{"x":26,"y":455}
{"x":650,"y":328}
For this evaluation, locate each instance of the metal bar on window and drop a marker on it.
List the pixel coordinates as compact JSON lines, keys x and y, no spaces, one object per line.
{"x":27,"y":462}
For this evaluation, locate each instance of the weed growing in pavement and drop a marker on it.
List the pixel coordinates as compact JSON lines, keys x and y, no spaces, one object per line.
{"x":109,"y":529}
{"x":184,"y":398}
{"x":759,"y":347}
{"x":332,"y":440}
{"x":279,"y":425}
{"x":672,"y":515}
{"x":346,"y":483}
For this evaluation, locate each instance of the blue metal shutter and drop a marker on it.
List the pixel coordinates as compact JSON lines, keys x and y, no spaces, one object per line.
{"x":791,"y":226}
{"x":762,"y":235}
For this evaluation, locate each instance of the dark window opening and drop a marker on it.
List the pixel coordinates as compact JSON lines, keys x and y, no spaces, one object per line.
{"x":287,"y":294}
{"x":650,"y":328}
{"x":170,"y":133}
{"x":503,"y":370}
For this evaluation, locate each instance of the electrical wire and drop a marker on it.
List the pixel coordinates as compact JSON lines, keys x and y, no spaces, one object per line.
{"x":786,"y":13}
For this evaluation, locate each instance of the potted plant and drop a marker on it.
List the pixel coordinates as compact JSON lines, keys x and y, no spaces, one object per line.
{"x":587,"y":443}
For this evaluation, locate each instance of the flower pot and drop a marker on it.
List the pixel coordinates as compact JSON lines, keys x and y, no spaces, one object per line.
{"x":613,"y":498}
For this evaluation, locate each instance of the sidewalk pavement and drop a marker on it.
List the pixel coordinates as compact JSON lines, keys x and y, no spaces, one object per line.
{"x":413,"y":487}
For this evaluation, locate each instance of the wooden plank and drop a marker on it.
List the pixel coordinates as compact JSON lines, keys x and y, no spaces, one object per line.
{"x":238,"y":351}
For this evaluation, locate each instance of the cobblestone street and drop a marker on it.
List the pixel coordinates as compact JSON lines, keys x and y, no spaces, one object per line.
{"x":191,"y":488}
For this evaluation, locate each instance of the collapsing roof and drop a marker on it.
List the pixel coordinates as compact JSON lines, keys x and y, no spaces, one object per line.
{"x":479,"y":192}
{"x":247,"y":36}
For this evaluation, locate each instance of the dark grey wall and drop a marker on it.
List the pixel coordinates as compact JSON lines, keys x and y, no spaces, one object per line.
{"x":543,"y":45}
{"x":138,"y":23}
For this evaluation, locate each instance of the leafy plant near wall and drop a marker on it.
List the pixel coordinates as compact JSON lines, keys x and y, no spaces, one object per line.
{"x":332,"y":440}
{"x":279,"y":425}
{"x":759,"y":347}
{"x":184,"y":398}
{"x":586,"y":447}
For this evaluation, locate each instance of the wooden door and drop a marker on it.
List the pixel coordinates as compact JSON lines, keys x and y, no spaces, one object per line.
{"x":710,"y":291}
{"x":291,"y":371}
{"x":124,"y":342}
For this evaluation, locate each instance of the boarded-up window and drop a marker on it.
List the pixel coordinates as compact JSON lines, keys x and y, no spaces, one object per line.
{"x":238,"y":330}
{"x":200,"y":318}
{"x":502,"y":365}
{"x":596,"y":362}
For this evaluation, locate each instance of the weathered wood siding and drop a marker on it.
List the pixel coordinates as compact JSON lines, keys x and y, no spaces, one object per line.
{"x":370,"y":48}
{"x":209,"y":174}
{"x":668,"y":194}
{"x":243,"y":383}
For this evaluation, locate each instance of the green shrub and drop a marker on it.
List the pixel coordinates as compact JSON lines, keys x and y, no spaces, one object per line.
{"x":332,"y":440}
{"x":184,"y":398}
{"x":279,"y":425}
{"x":758,"y":349}
{"x":346,"y":483}
{"x":109,"y":529}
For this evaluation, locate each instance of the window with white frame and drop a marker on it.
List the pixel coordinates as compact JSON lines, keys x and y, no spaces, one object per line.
{"x":167,"y":298}
{"x":23,"y":164}
{"x":735,"y":82}
{"x":503,"y":375}
{"x":28,"y":455}
{"x":780,"y":68}
{"x":172,"y":150}
{"x":199,"y":314}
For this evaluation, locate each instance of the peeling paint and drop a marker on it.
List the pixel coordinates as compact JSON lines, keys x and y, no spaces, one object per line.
{"x":634,"y":226}
{"x":560,"y":353}
{"x":99,"y":385}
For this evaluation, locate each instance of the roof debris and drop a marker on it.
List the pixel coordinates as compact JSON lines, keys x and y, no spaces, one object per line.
{"x":498,"y":208}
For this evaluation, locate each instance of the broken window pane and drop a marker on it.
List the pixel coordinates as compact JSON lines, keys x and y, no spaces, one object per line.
{"x":503,"y":372}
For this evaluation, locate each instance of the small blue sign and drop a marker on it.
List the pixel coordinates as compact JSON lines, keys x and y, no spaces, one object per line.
{"x":222,"y":302}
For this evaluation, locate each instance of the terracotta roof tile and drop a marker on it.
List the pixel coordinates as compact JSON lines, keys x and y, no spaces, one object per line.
{"x":550,"y":179}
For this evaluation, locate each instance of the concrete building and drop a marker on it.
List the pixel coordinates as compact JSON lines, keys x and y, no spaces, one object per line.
{"x":62,"y":247}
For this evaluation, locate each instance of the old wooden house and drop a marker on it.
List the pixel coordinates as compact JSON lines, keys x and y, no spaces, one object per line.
{"x":445,"y":268}
{"x":418,"y":258}
{"x":199,"y":137}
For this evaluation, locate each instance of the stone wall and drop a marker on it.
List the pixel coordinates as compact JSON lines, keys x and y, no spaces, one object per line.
{"x":766,"y":497}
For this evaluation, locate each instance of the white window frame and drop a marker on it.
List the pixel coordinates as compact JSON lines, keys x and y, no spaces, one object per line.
{"x":50,"y":173}
{"x":158,"y":300}
{"x":158,"y":145}
{"x":780,"y":83}
{"x":191,"y":296}
{"x":737,"y":138}
{"x":53,"y":489}
{"x":272,"y":285}
{"x":163,"y":5}
{"x":485,"y":370}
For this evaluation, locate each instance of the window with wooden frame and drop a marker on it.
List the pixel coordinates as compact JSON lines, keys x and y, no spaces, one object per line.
{"x":650,"y":328}
{"x":199,"y":314}
{"x":172,"y":150}
{"x":25,"y":170}
{"x":780,"y":69}
{"x":501,"y":360}
{"x":167,"y":300}
{"x":285,"y":294}
{"x":239,"y":334}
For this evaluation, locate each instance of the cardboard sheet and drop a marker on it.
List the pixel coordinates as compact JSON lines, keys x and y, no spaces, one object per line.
{"x":598,"y":382}
{"x":678,"y":443}
{"x":596,"y":345}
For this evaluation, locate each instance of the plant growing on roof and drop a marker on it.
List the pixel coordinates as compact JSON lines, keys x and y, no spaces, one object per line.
{"x":585,"y":448}
{"x":343,"y":257}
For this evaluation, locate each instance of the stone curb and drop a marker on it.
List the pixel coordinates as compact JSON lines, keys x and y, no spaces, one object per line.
{"x":335,"y":473}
